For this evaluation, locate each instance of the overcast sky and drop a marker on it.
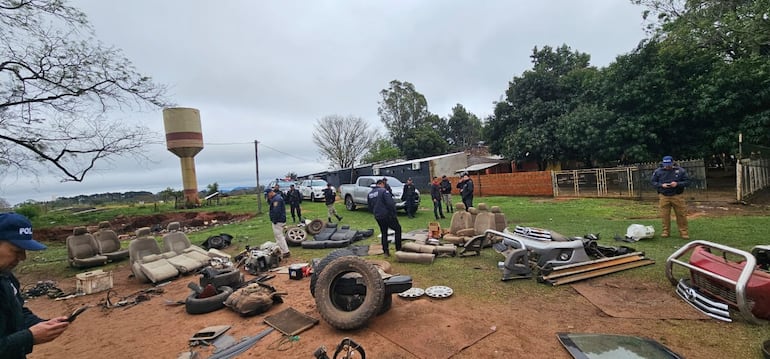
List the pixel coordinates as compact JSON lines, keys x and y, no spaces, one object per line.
{"x":268,"y":70}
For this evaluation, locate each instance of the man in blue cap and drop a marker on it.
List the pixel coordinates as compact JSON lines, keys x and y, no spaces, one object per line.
{"x":278,"y":218}
{"x":670,"y":180}
{"x":20,"y":329}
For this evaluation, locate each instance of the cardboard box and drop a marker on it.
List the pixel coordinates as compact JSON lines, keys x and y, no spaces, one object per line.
{"x":434,"y":230}
{"x":93,"y":281}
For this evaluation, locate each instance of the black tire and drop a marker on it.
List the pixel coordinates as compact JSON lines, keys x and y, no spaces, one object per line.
{"x":349,"y":204}
{"x":372,"y":304}
{"x":317,"y":269}
{"x":195,"y":305}
{"x":295,"y":236}
{"x":314,"y":227}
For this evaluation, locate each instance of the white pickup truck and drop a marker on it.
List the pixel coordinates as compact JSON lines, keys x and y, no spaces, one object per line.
{"x":356,"y":194}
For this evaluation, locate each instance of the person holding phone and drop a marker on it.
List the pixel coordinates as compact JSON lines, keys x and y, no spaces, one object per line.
{"x":670,"y":180}
{"x":20,"y":329}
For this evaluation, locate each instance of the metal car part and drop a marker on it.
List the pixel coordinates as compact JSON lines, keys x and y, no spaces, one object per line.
{"x":712,"y":306}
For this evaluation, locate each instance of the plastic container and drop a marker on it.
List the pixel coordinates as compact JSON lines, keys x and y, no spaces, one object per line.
{"x":93,"y":281}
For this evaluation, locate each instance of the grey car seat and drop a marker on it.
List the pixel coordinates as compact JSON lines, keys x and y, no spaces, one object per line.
{"x":82,"y":250}
{"x":147,"y":262}
{"x":109,"y":244}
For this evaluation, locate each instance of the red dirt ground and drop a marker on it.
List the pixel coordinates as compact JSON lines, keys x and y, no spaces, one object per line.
{"x":524,"y":326}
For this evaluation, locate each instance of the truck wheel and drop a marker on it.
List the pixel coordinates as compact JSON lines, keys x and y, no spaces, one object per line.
{"x":314,"y":227}
{"x":349,"y":204}
{"x":317,"y":269}
{"x":375,"y":291}
{"x":295,"y":236}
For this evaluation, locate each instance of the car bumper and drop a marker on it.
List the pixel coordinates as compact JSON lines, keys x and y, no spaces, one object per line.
{"x":703,"y":303}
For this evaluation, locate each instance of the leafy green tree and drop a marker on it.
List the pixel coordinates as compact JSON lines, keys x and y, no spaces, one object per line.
{"x":212,"y":188}
{"x":343,"y":140}
{"x":58,"y":85}
{"x":404,"y":111}
{"x":292,"y":175}
{"x":381,"y":149}
{"x":524,"y":125}
{"x":464,"y":128}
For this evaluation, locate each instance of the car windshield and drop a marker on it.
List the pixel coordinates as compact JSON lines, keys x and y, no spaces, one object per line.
{"x":318,"y":183}
{"x":394,"y":182}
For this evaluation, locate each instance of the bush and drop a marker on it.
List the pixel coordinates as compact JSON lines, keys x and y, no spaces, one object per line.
{"x":29,"y":210}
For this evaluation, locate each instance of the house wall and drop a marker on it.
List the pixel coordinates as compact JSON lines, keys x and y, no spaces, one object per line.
{"x":448,"y":165}
{"x":509,"y":184}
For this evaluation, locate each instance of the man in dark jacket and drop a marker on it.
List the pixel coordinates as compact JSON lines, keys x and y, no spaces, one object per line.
{"x":446,"y":194}
{"x":382,"y":205}
{"x":435,"y":195}
{"x":466,"y":191}
{"x":329,"y":197}
{"x":670,"y":180}
{"x":409,"y":196}
{"x":294,"y":197}
{"x":20,"y":329}
{"x":278,"y":217}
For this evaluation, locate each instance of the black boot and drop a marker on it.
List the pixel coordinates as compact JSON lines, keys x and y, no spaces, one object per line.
{"x":330,"y":219}
{"x":339,"y":218}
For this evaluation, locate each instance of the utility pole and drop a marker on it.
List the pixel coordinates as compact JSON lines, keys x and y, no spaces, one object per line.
{"x":259,"y":193}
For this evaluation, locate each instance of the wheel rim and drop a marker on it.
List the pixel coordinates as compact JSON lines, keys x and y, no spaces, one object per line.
{"x":296,"y":234}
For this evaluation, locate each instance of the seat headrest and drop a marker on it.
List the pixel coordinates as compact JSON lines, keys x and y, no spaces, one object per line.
{"x":104,"y":225}
{"x":79,"y":230}
{"x":460,"y":206}
{"x":495,"y":209}
{"x":473,"y":210}
{"x":144,"y":231}
{"x":483,"y":207}
{"x":173,"y":226}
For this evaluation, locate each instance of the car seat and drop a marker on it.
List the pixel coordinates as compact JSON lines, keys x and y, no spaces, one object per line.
{"x":109,"y":244}
{"x":177,"y":242}
{"x":147,"y":262}
{"x":82,"y":249}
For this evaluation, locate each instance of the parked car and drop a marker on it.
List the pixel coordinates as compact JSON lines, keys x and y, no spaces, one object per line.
{"x":313,"y":189}
{"x":356,"y":194}
{"x":283,"y":185}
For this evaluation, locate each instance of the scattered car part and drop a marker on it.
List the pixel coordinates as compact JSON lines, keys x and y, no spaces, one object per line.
{"x":554,"y":256}
{"x":230,"y":277}
{"x":315,"y":226}
{"x":209,"y":333}
{"x":326,"y":286}
{"x":574,"y":272}
{"x":413,"y":292}
{"x":255,"y":298}
{"x":290,"y":322}
{"x":595,"y":346}
{"x":347,"y":347}
{"x":439,"y":291}
{"x":723,"y":279}
{"x":195,"y":305}
{"x":240,"y":347}
{"x":295,"y":235}
{"x":409,"y":257}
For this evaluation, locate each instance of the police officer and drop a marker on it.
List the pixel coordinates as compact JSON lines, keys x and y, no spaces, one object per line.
{"x":409,"y":196}
{"x":382,"y":205}
{"x":20,"y":329}
{"x":670,"y":180}
{"x":294,"y":197}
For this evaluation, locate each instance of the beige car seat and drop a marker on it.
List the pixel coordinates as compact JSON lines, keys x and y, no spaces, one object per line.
{"x":82,"y":250}
{"x":109,"y":244}
{"x":176,"y":241}
{"x":461,"y":221}
{"x":147,"y":262}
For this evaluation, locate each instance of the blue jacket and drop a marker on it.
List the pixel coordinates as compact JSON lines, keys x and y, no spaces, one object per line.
{"x":381,"y":203}
{"x":15,"y":320}
{"x":466,"y":189}
{"x":277,"y":209}
{"x":675,"y":174}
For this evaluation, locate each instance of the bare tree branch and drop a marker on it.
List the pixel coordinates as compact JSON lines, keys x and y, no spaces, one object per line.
{"x":342,"y":140}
